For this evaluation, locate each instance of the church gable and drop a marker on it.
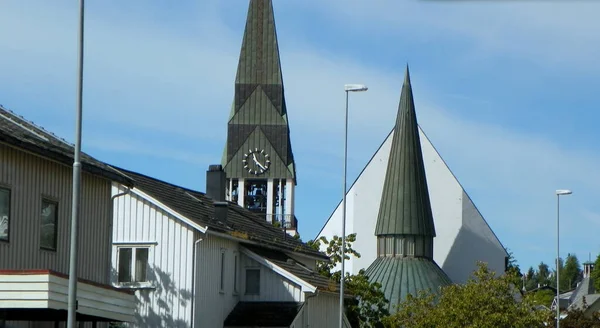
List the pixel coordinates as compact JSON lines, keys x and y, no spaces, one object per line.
{"x":258,"y":109}
{"x":257,"y":141}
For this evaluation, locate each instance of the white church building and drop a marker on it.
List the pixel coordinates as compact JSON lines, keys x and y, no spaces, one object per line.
{"x":463,"y":236}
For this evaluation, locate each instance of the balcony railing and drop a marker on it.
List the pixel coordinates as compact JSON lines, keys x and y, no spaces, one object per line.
{"x":288,"y":221}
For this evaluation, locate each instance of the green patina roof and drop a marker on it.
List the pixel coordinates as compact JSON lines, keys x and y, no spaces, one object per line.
{"x":400,"y":276}
{"x":258,"y":116}
{"x":405,"y":208}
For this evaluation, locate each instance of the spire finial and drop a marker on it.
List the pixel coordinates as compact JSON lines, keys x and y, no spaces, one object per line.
{"x":407,"y":76}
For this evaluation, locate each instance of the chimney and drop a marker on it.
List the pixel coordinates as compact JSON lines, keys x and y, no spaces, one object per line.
{"x":221,"y":209}
{"x":215,"y":183}
{"x":587,"y":269}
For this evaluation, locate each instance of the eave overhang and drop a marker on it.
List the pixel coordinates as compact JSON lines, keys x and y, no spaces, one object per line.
{"x":40,"y":295}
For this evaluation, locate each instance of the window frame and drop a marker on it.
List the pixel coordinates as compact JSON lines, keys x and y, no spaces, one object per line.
{"x":148,"y":283}
{"x":9,"y":190}
{"x":246,"y":281}
{"x":222,"y":268}
{"x":236,"y":268}
{"x":50,"y":200}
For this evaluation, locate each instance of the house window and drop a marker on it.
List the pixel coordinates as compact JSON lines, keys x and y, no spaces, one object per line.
{"x":222,"y":270}
{"x":48,"y":225}
{"x":4,"y":213}
{"x":235,"y":273}
{"x":252,"y":281}
{"x":133,"y":265}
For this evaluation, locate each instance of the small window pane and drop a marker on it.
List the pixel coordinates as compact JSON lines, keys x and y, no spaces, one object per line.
{"x":124,"y":264}
{"x":141,"y":264}
{"x":48,"y":225}
{"x":4,"y":213}
{"x":222,"y":271}
{"x":253,"y":281}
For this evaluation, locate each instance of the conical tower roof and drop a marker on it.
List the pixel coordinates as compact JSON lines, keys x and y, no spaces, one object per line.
{"x":258,"y":118}
{"x":405,"y":228}
{"x":405,"y":208}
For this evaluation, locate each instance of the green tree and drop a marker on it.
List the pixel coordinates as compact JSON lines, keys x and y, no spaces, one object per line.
{"x":531,"y":279}
{"x":485,"y":301}
{"x":596,"y":273}
{"x":575,"y":319}
{"x":552,"y":282}
{"x":369,"y":305}
{"x":513,"y":271}
{"x":543,"y":297}
{"x":571,"y":273}
{"x":543,"y":274}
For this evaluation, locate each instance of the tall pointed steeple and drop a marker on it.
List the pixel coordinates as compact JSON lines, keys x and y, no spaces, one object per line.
{"x":258,"y":159}
{"x":258,"y":118}
{"x":405,"y":208}
{"x":405,"y":228}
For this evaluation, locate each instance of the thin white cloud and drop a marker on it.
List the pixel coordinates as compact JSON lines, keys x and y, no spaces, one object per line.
{"x":133,"y":147}
{"x":143,"y":77}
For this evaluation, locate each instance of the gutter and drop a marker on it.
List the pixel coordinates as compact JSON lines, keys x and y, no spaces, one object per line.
{"x":248,"y":241}
{"x":110,"y":226}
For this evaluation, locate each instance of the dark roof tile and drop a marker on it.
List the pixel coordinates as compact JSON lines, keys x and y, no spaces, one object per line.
{"x":240,"y":222}
{"x":18,"y":132}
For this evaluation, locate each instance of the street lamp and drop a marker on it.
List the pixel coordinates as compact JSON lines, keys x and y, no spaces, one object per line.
{"x":76,"y":198}
{"x":348,"y":88}
{"x":559,"y":192}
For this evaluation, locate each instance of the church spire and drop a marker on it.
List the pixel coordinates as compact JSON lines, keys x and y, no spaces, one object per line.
{"x":258,"y":119}
{"x":405,"y":228}
{"x":259,"y":57}
{"x":405,"y":207}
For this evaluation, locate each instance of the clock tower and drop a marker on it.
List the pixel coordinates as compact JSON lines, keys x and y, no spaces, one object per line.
{"x":258,"y":159}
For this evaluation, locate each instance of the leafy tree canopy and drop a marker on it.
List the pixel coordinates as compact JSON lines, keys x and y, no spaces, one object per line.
{"x":485,"y":301}
{"x":370,"y":304}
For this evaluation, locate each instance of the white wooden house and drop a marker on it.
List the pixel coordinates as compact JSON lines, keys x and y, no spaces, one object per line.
{"x":196,"y":260}
{"x":35,"y":213}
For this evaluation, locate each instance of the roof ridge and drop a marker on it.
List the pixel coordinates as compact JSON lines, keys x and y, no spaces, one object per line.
{"x":34,"y":125}
{"x":157,"y":180}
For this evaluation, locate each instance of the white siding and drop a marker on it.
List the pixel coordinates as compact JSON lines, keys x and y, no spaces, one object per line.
{"x":273,"y":286}
{"x":31,"y":178}
{"x":212,"y":305}
{"x":323,"y":310}
{"x":139,"y":222}
{"x":299,"y":321}
{"x":463,"y":236}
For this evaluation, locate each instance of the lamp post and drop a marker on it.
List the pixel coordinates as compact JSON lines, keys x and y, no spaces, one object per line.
{"x":76,"y":197}
{"x":559,"y":192}
{"x":348,"y":88}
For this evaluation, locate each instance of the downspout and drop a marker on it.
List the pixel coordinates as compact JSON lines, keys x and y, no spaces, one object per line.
{"x":194,"y":263}
{"x":307,"y":316}
{"x":112,"y":219}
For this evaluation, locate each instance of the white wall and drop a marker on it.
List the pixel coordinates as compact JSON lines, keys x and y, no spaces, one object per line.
{"x":323,"y":311}
{"x":273,"y":286}
{"x":138,"y":222}
{"x":212,"y":305}
{"x":463,"y":236}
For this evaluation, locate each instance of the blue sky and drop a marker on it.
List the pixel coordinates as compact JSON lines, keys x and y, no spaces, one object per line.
{"x":504,"y":90}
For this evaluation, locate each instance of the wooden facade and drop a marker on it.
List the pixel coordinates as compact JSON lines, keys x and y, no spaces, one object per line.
{"x":138,"y":223}
{"x":196,"y":278}
{"x":32,"y":179}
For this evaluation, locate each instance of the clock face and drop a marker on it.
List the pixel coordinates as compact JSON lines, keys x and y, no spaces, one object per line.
{"x":256,"y":161}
